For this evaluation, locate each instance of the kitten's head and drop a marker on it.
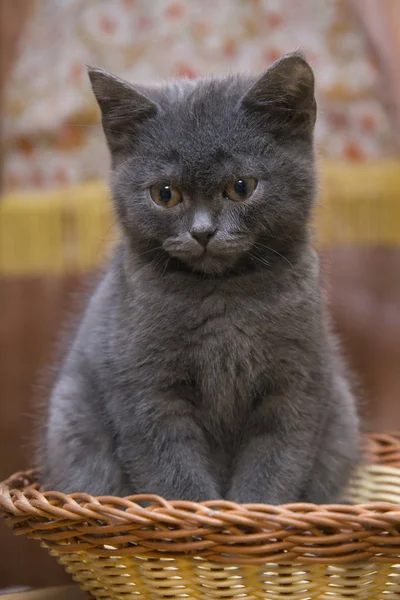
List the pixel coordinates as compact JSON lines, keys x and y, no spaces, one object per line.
{"x":212,"y":171}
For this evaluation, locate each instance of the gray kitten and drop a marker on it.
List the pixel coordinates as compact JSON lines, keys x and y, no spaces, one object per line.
{"x":203,"y":367}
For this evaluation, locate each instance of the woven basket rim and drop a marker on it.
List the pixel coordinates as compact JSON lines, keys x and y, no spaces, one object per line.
{"x":223,"y":530}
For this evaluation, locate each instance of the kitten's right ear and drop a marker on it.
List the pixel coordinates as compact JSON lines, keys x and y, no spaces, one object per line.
{"x":122,"y":107}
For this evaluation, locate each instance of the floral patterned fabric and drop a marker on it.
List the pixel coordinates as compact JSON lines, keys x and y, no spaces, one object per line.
{"x":52,"y":133}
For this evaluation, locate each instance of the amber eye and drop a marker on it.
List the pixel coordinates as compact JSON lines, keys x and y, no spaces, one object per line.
{"x":240,"y":189}
{"x":166,"y":195}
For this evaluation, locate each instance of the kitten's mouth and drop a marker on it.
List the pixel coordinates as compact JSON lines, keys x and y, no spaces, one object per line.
{"x":207,"y":262}
{"x":213,"y":259}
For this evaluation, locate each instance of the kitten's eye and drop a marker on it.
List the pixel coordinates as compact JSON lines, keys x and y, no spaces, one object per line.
{"x":240,"y":189}
{"x":166,"y":195}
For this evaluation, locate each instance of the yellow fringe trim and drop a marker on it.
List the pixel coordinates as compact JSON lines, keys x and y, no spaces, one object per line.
{"x":69,"y":230}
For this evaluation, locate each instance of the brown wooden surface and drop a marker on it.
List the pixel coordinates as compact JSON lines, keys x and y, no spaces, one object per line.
{"x":364,"y":288}
{"x":31,"y":314}
{"x":70,"y":592}
{"x":364,"y":292}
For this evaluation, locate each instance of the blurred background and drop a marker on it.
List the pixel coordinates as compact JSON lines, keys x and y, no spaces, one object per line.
{"x":56,"y":224}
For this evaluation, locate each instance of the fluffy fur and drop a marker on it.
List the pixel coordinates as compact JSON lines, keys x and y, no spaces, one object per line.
{"x":201,"y":373}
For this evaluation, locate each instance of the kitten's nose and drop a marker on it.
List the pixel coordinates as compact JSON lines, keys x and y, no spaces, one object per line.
{"x":202,"y":236}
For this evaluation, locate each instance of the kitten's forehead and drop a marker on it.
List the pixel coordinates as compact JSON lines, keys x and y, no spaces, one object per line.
{"x":199,"y":118}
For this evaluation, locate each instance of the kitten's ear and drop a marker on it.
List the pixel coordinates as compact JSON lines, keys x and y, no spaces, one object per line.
{"x":122,"y":107}
{"x":284,"y":94}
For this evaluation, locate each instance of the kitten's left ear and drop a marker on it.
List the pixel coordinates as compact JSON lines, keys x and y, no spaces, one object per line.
{"x":284,"y":94}
{"x":123,"y":108}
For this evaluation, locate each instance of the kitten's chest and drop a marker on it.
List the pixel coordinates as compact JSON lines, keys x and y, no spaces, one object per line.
{"x":229,"y":354}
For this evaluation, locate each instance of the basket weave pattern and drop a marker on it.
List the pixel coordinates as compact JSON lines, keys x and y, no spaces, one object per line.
{"x":116,"y":548}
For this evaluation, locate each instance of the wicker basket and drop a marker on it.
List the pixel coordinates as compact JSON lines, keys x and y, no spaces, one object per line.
{"x":116,"y":548}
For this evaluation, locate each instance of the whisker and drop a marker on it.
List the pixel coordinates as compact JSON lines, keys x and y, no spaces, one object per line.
{"x":274,"y":251}
{"x":147,"y":251}
{"x":157,"y":261}
{"x":165,"y":267}
{"x":260,"y":259}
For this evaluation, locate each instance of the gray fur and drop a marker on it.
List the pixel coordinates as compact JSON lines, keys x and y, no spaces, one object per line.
{"x":200,"y":374}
